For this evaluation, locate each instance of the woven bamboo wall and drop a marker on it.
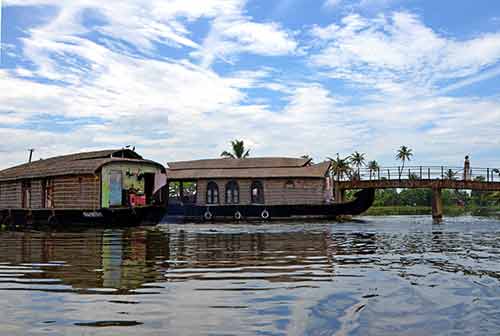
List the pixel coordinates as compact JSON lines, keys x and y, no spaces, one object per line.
{"x":36,"y":194}
{"x":276,"y":191}
{"x":69,"y":192}
{"x":10,"y":195}
{"x":76,"y":192}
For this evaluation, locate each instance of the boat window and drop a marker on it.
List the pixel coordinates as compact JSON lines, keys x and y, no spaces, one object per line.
{"x":212,"y":193}
{"x":232,"y":193}
{"x":174,"y":192}
{"x":189,"y":192}
{"x":289,"y":184}
{"x":257,"y":192}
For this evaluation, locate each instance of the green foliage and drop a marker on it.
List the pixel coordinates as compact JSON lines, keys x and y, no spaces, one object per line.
{"x":357,"y":160}
{"x":238,"y":150}
{"x":340,"y":168}
{"x":423,"y":197}
{"x":373,"y":167}
{"x":403,"y":154}
{"x":450,"y":175}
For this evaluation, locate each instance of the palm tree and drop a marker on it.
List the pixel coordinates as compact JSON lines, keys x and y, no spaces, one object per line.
{"x":403,"y":154}
{"x":340,"y":167}
{"x":373,"y":167}
{"x":450,"y":175}
{"x":358,"y":160}
{"x":238,"y":151}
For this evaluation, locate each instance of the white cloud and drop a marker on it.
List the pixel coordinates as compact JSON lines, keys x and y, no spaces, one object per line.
{"x":331,"y":3}
{"x":231,"y":35}
{"x":118,"y":90}
{"x":399,"y":52}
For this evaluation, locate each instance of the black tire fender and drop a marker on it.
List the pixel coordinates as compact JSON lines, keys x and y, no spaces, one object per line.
{"x":208,"y":215}
{"x":53,"y":221}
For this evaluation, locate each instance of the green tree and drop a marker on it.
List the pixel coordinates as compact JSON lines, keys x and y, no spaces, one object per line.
{"x":403,"y":154}
{"x":450,"y":175}
{"x":238,"y":150}
{"x":358,"y":160}
{"x":495,"y":197}
{"x":373,"y":167}
{"x":340,"y":167}
{"x":386,"y":197}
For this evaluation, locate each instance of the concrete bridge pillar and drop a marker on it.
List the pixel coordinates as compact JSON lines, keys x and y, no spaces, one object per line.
{"x":339,"y":195}
{"x":437,"y":205}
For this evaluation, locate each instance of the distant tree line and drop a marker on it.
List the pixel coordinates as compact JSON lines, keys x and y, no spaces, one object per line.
{"x":423,"y":197}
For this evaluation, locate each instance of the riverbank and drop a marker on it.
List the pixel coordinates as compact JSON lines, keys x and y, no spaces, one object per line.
{"x":427,"y":210}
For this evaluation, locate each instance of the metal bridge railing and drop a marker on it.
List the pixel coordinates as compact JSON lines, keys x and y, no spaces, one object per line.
{"x":422,"y":173}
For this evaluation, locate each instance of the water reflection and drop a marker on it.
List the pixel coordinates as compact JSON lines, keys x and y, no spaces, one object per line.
{"x":381,"y":276}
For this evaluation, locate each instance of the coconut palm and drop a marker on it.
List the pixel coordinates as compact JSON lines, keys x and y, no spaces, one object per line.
{"x":373,"y":167}
{"x":238,"y":150}
{"x":358,"y":160}
{"x":450,"y":175}
{"x":403,"y":154}
{"x":340,"y":167}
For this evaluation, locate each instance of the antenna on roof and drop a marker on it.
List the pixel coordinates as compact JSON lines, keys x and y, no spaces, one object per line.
{"x":31,"y":150}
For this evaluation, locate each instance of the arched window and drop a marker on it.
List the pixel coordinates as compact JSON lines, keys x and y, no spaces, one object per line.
{"x":212,"y":193}
{"x":257,"y":192}
{"x":232,"y":193}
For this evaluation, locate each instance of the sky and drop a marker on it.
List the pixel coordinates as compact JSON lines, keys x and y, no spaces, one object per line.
{"x":180,"y":79}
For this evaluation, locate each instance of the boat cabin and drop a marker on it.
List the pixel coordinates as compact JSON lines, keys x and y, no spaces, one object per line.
{"x":92,"y":180}
{"x":252,"y":181}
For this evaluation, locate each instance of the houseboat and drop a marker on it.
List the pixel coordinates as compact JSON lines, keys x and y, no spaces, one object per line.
{"x":264,"y":188}
{"x":108,"y":186}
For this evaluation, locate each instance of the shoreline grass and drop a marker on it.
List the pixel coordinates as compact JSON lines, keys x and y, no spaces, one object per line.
{"x":427,"y":210}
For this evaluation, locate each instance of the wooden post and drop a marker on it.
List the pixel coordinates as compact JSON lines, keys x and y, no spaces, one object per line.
{"x":437,"y":205}
{"x":339,"y":194}
{"x":389,"y":174}
{"x":429,"y":173}
{"x":442,"y":173}
{"x":378,"y":174}
{"x":487,"y":174}
{"x":420,"y":172}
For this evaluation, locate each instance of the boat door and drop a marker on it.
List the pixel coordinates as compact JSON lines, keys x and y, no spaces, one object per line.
{"x":115,"y":188}
{"x":26,"y":194}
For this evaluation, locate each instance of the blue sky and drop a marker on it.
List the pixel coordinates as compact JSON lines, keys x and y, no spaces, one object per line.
{"x":179,"y":79}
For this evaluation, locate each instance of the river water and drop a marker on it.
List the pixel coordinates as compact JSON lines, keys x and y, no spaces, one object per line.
{"x":373,"y":276}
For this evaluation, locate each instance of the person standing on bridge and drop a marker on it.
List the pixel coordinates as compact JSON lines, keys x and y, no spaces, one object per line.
{"x":467,"y":168}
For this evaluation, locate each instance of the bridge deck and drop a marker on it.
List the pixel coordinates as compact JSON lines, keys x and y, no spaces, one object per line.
{"x":435,"y":177}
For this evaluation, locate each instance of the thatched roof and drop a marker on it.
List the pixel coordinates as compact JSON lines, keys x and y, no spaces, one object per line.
{"x":72,"y":164}
{"x":246,"y":168}
{"x":260,"y":162}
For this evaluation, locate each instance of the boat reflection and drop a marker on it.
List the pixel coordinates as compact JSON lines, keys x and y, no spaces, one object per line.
{"x":123,"y":261}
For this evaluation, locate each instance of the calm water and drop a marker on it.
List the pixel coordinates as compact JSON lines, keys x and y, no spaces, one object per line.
{"x":378,"y":276}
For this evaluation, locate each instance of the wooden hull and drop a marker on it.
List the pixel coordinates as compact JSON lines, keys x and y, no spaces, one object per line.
{"x":67,"y":218}
{"x":364,"y":199}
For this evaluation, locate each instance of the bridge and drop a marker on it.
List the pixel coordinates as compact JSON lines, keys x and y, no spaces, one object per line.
{"x":431,"y":177}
